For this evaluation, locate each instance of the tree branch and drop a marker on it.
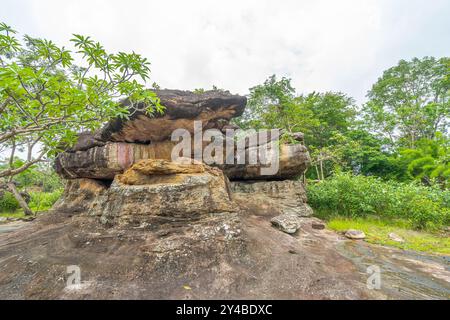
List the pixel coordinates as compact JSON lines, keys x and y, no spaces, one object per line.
{"x":12,"y":172}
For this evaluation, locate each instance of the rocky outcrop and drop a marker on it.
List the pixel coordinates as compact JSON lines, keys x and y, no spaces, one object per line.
{"x":276,"y":197}
{"x":284,"y":201}
{"x":79,"y":195}
{"x":124,"y":175}
{"x":287,"y":222}
{"x":154,"y":192}
{"x":355,"y":234}
{"x":122,"y":142}
{"x":214,"y":108}
{"x":104,"y":162}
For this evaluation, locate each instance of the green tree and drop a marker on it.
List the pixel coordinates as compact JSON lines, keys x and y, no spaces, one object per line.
{"x":46,"y":99}
{"x":273,"y":105}
{"x":320,"y":116}
{"x":365,"y":153}
{"x":39,"y":176}
{"x":429,"y":161}
{"x":333,"y":112}
{"x":411,"y":101}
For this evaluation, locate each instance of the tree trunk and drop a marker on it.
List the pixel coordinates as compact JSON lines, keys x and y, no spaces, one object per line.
{"x":22,"y":202}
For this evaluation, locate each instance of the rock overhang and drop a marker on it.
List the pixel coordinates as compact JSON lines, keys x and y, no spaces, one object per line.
{"x":123,"y":142}
{"x":214,"y":108}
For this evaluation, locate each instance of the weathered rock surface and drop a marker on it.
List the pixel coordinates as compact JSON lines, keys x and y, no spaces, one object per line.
{"x":123,"y":142}
{"x":106,"y":161}
{"x":158,"y":191}
{"x":79,"y":195}
{"x":274,"y":197}
{"x":318,"y":225}
{"x":287,"y":222}
{"x":293,"y":161}
{"x":221,"y":256}
{"x":395,"y":237}
{"x":213,"y":108}
{"x":355,"y":234}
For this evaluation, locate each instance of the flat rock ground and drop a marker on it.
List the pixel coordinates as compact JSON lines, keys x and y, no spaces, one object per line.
{"x":312,"y":264}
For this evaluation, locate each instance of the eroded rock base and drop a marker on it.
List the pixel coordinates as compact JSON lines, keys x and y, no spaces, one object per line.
{"x":201,"y":260}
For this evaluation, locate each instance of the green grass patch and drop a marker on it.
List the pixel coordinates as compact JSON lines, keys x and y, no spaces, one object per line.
{"x":18,"y":214}
{"x":377,"y":232}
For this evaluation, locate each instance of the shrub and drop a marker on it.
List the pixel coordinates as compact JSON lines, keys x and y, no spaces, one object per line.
{"x":360,"y":196}
{"x":8,"y":203}
{"x":44,"y":200}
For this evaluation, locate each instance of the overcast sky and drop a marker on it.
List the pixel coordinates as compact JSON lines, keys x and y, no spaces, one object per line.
{"x":322,"y":45}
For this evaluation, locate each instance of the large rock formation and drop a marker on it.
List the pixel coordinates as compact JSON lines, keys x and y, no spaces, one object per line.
{"x":104,"y":162}
{"x":276,"y":197}
{"x":121,"y":143}
{"x":154,"y":192}
{"x":177,"y":229}
{"x":124,"y":175}
{"x":213,"y":108}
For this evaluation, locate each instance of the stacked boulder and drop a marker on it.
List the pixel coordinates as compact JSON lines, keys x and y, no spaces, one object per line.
{"x":124,"y":174}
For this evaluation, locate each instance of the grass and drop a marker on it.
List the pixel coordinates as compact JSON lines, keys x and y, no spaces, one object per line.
{"x":377,"y":232}
{"x":18,"y":214}
{"x":39,"y":202}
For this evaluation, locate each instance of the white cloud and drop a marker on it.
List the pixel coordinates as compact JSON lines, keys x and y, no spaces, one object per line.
{"x":321,"y":45}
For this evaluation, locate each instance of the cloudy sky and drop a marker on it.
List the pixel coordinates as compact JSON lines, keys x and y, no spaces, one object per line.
{"x":322,"y":45}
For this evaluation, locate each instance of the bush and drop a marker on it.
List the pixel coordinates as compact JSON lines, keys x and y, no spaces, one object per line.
{"x":44,"y":200}
{"x":360,"y":196}
{"x":8,"y":203}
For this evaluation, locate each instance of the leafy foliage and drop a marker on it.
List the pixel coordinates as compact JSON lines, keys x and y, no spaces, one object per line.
{"x":360,"y":196}
{"x":411,"y":101}
{"x":45,"y":99}
{"x":430,"y":161}
{"x":44,"y":200}
{"x":271,"y":105}
{"x":8,"y":203}
{"x":40,"y":176}
{"x":39,"y":201}
{"x":408,"y":108}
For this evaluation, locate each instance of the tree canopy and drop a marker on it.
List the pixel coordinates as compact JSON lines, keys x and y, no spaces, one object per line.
{"x":411,"y":101}
{"x":46,"y":98}
{"x":401,"y":133}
